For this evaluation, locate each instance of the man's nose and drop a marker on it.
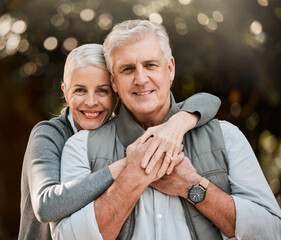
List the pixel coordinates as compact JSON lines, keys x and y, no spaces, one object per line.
{"x":141,"y":76}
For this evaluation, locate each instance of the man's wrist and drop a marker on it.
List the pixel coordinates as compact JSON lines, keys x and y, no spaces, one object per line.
{"x":197,"y":192}
{"x":117,"y":167}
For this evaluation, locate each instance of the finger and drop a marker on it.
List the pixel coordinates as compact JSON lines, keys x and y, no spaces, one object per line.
{"x":153,"y":145}
{"x":156,"y":156}
{"x":134,"y":144}
{"x":164,"y":167}
{"x":147,"y":134}
{"x":177,"y":160}
{"x":167,"y":161}
{"x":171,"y":167}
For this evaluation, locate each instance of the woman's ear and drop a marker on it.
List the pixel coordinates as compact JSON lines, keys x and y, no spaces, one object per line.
{"x":63,"y":88}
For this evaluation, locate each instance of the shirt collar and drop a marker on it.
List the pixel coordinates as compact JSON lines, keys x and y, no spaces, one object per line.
{"x":128,"y":130}
{"x":70,"y":119}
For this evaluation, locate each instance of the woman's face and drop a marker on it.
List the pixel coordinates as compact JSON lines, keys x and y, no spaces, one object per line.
{"x":89,"y":97}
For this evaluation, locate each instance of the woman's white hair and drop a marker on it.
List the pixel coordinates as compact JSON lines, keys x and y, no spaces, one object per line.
{"x":133,"y":31}
{"x":83,"y":56}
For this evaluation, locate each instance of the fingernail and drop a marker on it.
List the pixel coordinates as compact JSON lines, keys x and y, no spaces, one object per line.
{"x":148,"y":170}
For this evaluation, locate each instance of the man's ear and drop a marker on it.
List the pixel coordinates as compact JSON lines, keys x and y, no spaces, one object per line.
{"x":171,"y":68}
{"x":113,"y":85}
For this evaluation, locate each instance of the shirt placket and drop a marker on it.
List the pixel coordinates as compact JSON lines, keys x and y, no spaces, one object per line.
{"x":159,"y":212}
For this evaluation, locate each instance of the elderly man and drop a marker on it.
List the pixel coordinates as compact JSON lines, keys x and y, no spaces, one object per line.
{"x":216,"y":191}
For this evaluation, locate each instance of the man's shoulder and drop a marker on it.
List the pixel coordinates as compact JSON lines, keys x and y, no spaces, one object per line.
{"x":107,"y":129}
{"x":230,"y":132}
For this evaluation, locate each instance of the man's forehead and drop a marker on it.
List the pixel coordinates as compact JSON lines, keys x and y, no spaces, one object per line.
{"x":142,"y":51}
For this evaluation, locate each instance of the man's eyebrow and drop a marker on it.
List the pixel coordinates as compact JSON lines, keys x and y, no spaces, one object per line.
{"x":124,"y":66}
{"x":151,"y":60}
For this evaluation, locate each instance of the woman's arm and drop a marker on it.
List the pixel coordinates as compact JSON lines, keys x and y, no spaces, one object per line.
{"x":42,"y":167}
{"x":195,"y":111}
{"x":204,"y":104}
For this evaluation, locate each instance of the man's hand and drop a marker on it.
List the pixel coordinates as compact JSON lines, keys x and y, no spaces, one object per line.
{"x":167,"y":139}
{"x":178,"y":182}
{"x":135,"y":155}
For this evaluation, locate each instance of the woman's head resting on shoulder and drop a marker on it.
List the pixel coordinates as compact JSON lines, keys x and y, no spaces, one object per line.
{"x":86,"y":87}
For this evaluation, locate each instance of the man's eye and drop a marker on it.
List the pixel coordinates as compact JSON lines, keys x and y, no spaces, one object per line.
{"x":151,"y":65}
{"x":127,"y":70}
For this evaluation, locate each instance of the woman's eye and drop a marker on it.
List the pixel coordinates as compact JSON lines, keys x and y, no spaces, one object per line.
{"x":103,"y":91}
{"x":80,"y":90}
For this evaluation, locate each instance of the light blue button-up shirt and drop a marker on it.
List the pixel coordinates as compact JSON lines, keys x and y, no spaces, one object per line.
{"x":159,"y":216}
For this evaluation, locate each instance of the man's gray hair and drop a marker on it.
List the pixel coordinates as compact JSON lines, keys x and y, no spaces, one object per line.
{"x":133,"y":31}
{"x":83,"y":56}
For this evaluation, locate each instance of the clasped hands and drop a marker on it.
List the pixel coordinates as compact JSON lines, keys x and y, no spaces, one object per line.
{"x":158,"y":153}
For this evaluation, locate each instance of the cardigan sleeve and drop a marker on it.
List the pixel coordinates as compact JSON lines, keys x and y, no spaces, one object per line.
{"x":52,"y":200}
{"x":207,"y":105}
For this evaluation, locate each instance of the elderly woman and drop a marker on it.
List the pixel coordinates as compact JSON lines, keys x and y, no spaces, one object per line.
{"x":90,"y":101}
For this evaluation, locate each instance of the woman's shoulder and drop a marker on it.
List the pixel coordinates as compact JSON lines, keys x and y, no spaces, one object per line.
{"x":54,"y":126}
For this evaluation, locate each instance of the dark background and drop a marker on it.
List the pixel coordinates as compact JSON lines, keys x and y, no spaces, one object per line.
{"x":230,"y":48}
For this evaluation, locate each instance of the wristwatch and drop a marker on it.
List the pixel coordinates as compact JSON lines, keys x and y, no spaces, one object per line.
{"x":197,"y":193}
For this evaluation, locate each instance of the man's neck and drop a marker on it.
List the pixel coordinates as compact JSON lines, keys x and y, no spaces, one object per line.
{"x":152,"y":119}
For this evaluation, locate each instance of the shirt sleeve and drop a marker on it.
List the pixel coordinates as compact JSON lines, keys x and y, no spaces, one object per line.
{"x":42,"y":159}
{"x":78,"y":226}
{"x":258,"y":215}
{"x":74,"y":164}
{"x":207,"y":105}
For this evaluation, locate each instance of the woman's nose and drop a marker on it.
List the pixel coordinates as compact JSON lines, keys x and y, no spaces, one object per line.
{"x":91,"y":100}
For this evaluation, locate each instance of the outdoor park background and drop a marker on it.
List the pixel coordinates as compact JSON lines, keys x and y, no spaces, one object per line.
{"x":230,"y":48}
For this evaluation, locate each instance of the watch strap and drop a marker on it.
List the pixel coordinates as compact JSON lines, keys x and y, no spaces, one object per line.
{"x":204,"y":182}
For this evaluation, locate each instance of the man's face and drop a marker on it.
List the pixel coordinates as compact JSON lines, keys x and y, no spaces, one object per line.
{"x":142,"y":78}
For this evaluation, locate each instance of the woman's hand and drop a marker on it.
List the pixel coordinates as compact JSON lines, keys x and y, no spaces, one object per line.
{"x":167,"y":139}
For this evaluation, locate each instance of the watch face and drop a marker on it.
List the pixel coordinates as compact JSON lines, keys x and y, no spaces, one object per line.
{"x":197,"y":194}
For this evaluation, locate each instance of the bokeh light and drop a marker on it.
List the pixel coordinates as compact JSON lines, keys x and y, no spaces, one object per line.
{"x":181,"y":26}
{"x":218,"y":16}
{"x":263,"y":3}
{"x":105,"y":21}
{"x":185,"y":2}
{"x":155,"y":17}
{"x":202,"y":19}
{"x":5,"y":24}
{"x":30,"y":68}
{"x":256,"y":27}
{"x":19,"y":27}
{"x":139,"y":10}
{"x":212,"y":25}
{"x":23,"y":46}
{"x":50,"y":43}
{"x":87,"y":15}
{"x":70,"y":43}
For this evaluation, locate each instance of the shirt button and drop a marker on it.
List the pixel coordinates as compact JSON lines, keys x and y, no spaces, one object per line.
{"x":159,"y":215}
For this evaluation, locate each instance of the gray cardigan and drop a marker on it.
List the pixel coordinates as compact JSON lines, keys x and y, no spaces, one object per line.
{"x":43,"y":198}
